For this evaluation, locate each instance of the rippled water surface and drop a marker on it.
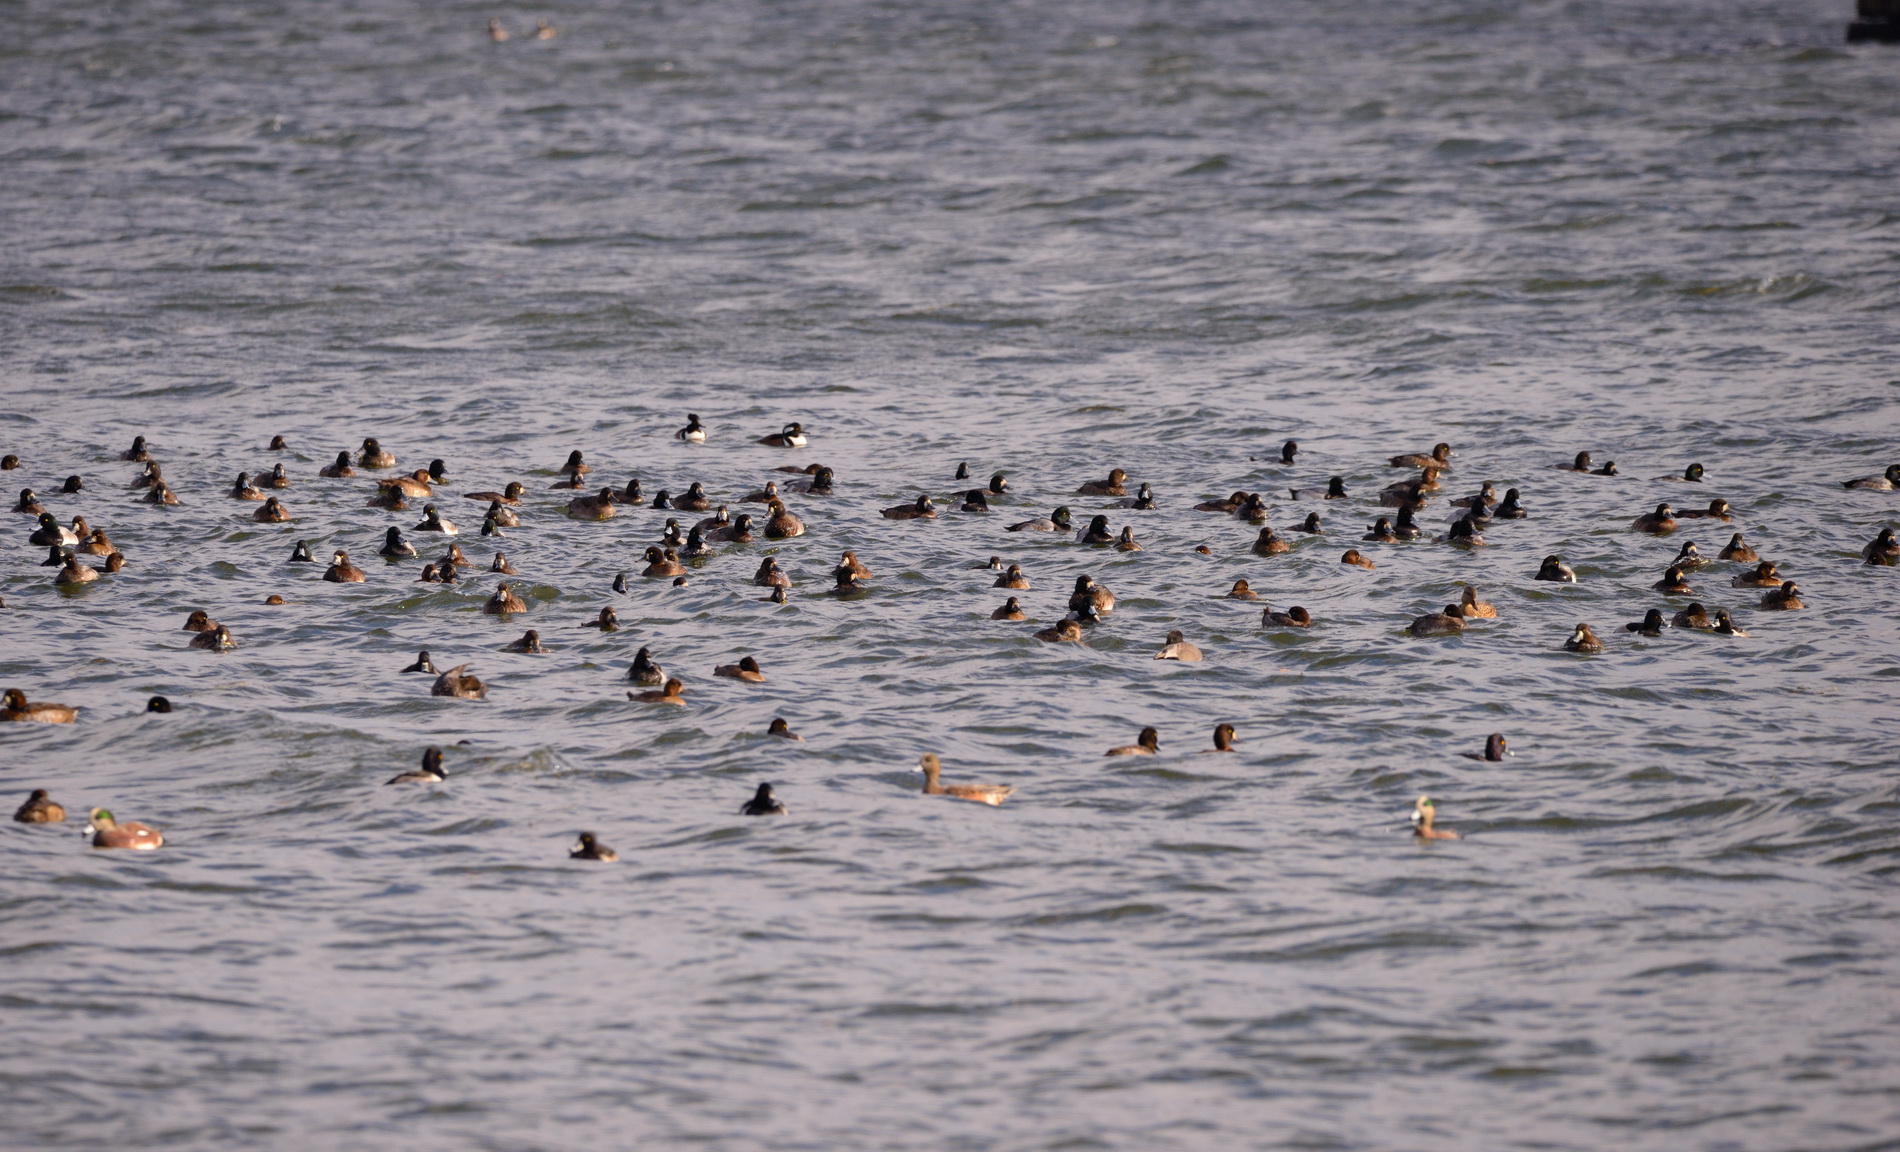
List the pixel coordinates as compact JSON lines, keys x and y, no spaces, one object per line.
{"x":1046,"y":239}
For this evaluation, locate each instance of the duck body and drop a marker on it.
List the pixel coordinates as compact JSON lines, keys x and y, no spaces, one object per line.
{"x":1423,"y":814}
{"x":216,"y":640}
{"x":459,"y":683}
{"x":1717,"y":510}
{"x":1096,"y":533}
{"x":1786,"y":598}
{"x":669,"y":693}
{"x":504,"y":602}
{"x":341,"y":571}
{"x":1269,"y":543}
{"x":1177,"y":648}
{"x":75,"y":573}
{"x":16,"y":708}
{"x":764,"y":803}
{"x":1737,"y":549}
{"x":746,"y":669}
{"x":588,"y":848}
{"x":1057,"y":521}
{"x":1109,"y":487}
{"x":1011,"y":610}
{"x":991,"y":794}
{"x":1764,"y":575}
{"x":394,"y":546}
{"x":273,"y":512}
{"x":1438,"y":457}
{"x":1449,"y":622}
{"x":1885,"y":482}
{"x":109,"y":833}
{"x":374,"y":455}
{"x":432,"y":522}
{"x":510,"y":495}
{"x":1583,"y":640}
{"x":1294,"y":617}
{"x":1650,"y":625}
{"x":920,"y":509}
{"x":1656,"y":523}
{"x":790,"y":436}
{"x":338,"y":471}
{"x":1147,"y":744}
{"x":1882,"y":549}
{"x":40,"y":808}
{"x":430,"y":771}
{"x":1351,"y":556}
{"x":599,"y":507}
{"x":694,"y":432}
{"x":1555,"y":570}
{"x":1473,"y":608}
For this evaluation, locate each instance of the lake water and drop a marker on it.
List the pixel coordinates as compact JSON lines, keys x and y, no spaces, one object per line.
{"x":1046,"y":239}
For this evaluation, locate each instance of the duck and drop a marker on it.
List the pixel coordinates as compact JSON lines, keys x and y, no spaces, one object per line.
{"x":158,"y":704}
{"x":51,"y":531}
{"x":1269,"y":544}
{"x":242,"y":489}
{"x":1241,"y":591}
{"x":694,"y":432}
{"x":40,"y":808}
{"x":73,"y":572}
{"x":1717,"y":510}
{"x":921,"y":509}
{"x":1109,"y":487}
{"x":500,"y":565}
{"x":1580,"y":464}
{"x":1608,"y":469}
{"x":1738,"y":550}
{"x":1011,"y":610}
{"x":764,"y":496}
{"x":1424,"y":811}
{"x":746,"y":669}
{"x":1351,"y":556}
{"x":1689,"y":557}
{"x":109,"y":833}
{"x":1056,"y":521}
{"x":530,"y":642}
{"x":430,"y":771}
{"x":632,"y":495}
{"x":1882,"y":549}
{"x":1062,"y":632}
{"x":148,"y":476}
{"x":1694,"y":616}
{"x":644,"y":670}
{"x":1724,"y":626}
{"x":1143,"y":499}
{"x":599,"y":507}
{"x":15,"y":707}
{"x":586,"y":848}
{"x":510,"y":495}
{"x":694,"y":499}
{"x":452,"y":557}
{"x":849,"y":559}
{"x":114,"y":562}
{"x":1224,"y":739}
{"x":770,"y":575}
{"x":673,"y":536}
{"x":1485,"y":498}
{"x":1335,"y":490}
{"x":1126,"y":542}
{"x":575,"y":466}
{"x":1554,"y":569}
{"x":1786,"y":598}
{"x":1690,"y":475}
{"x":669,"y":693}
{"x":1475,"y":609}
{"x":1253,"y":509}
{"x":1146,"y":744}
{"x":338,"y":471}
{"x":504,"y":602}
{"x":790,"y":436}
{"x":738,"y":532}
{"x":1227,"y":507}
{"x":1404,"y":527}
{"x":216,"y":640}
{"x":1087,"y":591}
{"x":1583,"y":640}
{"x":96,"y":544}
{"x":1885,"y":482}
{"x":301,"y":554}
{"x":1406,"y":493}
{"x":137,"y":451}
{"x":1672,"y":583}
{"x":1380,"y":531}
{"x":846,"y":583}
{"x":199,"y":621}
{"x":1438,"y":457}
{"x":278,"y":478}
{"x":1013,"y":578}
{"x":29,"y":503}
{"x":341,"y":571}
{"x":496,"y":31}
{"x":974,"y":501}
{"x":459,"y":684}
{"x":415,"y":484}
{"x":423,"y":664}
{"x":55,"y":557}
{"x":1178,"y":648}
{"x":662,"y":563}
{"x":389,"y":497}
{"x":1495,"y":749}
{"x":1764,"y":575}
{"x":1096,"y":533}
{"x":819,"y":484}
{"x":1650,"y":625}
{"x":1450,"y":622}
{"x":273,"y":512}
{"x":763,"y":803}
{"x":1509,"y":508}
{"x":432,"y":522}
{"x":779,"y":728}
{"x":607,"y":621}
{"x":1288,"y":451}
{"x":1656,"y":523}
{"x":1294,"y":617}
{"x":782,"y":524}
{"x":1312,"y":525}
{"x":932,"y":768}
{"x":9,"y":462}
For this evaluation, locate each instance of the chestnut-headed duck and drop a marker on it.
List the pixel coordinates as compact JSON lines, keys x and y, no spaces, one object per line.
{"x":1351,"y":556}
{"x":530,"y":642}
{"x":97,"y":544}
{"x":1450,"y":622}
{"x":109,"y":833}
{"x":746,"y":669}
{"x":1885,"y":482}
{"x":374,"y":455}
{"x":1146,"y":744}
{"x":1010,"y":610}
{"x":1694,"y":616}
{"x":920,"y":509}
{"x":1013,"y":578}
{"x":668,"y":693}
{"x":388,"y":497}
{"x":1763,"y":575}
{"x":1554,"y":569}
{"x":1438,"y":457}
{"x":1109,"y":487}
{"x":341,"y":571}
{"x":585,"y":848}
{"x":1240,"y":591}
{"x":1650,"y":625}
{"x":15,"y":707}
{"x":1786,"y":598}
{"x":764,"y":803}
{"x":1293,"y":617}
{"x":1126,"y":542}
{"x":460,"y":684}
{"x":1424,"y":811}
{"x":430,"y":771}
{"x":782,"y":730}
{"x":1178,"y":648}
{"x":790,"y":436}
{"x":1056,"y":521}
{"x":1738,"y":550}
{"x":415,"y":484}
{"x":339,"y":470}
{"x":504,"y":602}
{"x":198,"y":621}
{"x":452,"y":557}
{"x":991,"y":794}
{"x":694,"y":432}
{"x":40,"y":808}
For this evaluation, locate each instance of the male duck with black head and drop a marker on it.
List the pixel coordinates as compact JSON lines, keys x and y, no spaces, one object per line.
{"x":790,"y":436}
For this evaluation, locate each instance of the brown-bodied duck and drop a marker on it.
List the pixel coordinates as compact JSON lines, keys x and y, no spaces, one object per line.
{"x":1269,"y":543}
{"x":1438,"y":457}
{"x":73,"y":572}
{"x":1786,"y":598}
{"x":109,"y":833}
{"x":1717,"y":510}
{"x":339,"y":470}
{"x":1013,"y":578}
{"x":530,"y":642}
{"x":770,"y":575}
{"x":1178,"y":648}
{"x":341,"y":571}
{"x":1126,"y":542}
{"x":747,"y":669}
{"x":15,"y":708}
{"x":1293,"y":617}
{"x":1449,"y":622}
{"x":1474,"y":608}
{"x":920,"y":509}
{"x":1010,"y":610}
{"x":273,"y":512}
{"x":1240,"y":591}
{"x":40,"y":808}
{"x":1763,"y":575}
{"x":672,"y":692}
{"x":662,"y":563}
{"x":1351,"y":556}
{"x":596,"y":507}
{"x":504,"y":602}
{"x":1694,"y":616}
{"x":1882,"y":549}
{"x":782,"y":524}
{"x":1583,"y":640}
{"x":764,"y":802}
{"x":1424,"y":812}
{"x":137,"y":452}
{"x":1146,"y":744}
{"x":991,"y":794}
{"x":459,"y":683}
{"x":374,"y":455}
{"x":30,"y":503}
{"x":510,"y":495}
{"x":216,"y":640}
{"x":1087,"y":591}
{"x":1673,"y":583}
{"x":1109,"y":487}
{"x":1062,"y":632}
{"x":1737,"y":549}
{"x":243,"y":489}
{"x":1656,"y":523}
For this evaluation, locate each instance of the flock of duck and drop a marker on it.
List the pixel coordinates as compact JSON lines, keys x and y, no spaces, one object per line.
{"x":1088,"y":604}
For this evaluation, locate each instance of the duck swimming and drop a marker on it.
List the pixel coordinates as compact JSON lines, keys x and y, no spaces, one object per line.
{"x":782,"y":730}
{"x":1689,"y":558}
{"x":1474,"y":608}
{"x":500,"y":565}
{"x":51,"y":531}
{"x":75,"y":573}
{"x":504,"y":602}
{"x":1786,"y":598}
{"x":1885,"y":482}
{"x":782,"y":524}
{"x":1439,"y":457}
{"x":394,"y":546}
{"x":991,"y":794}
{"x":1650,"y":625}
{"x":1010,"y":610}
{"x":1554,"y":569}
{"x":423,"y":664}
{"x":1509,"y":508}
{"x":1240,"y":591}
{"x":588,"y":848}
{"x":199,"y":621}
{"x":148,"y":476}
{"x":1717,"y":510}
{"x":921,"y":509}
{"x":770,"y":575}
{"x":764,"y":803}
{"x":694,"y":499}
{"x":1725,"y":626}
{"x":1335,"y":490}
{"x":846,"y":583}
{"x":1146,"y":744}
{"x":1228,"y":506}
{"x":599,"y":507}
{"x":1694,"y":616}
{"x":1109,"y":487}
{"x":819,"y":484}
{"x":849,"y":560}
{"x":1381,"y":532}
{"x":1224,"y":739}
{"x":1495,"y":749}
{"x":662,"y":564}
{"x":746,"y":669}
{"x":1057,"y":521}
{"x":462,"y":686}
{"x":790,"y":436}
{"x":373,"y":455}
{"x":109,"y":833}
{"x":1403,"y":526}
{"x":242,"y":488}
{"x":1294,"y":617}
{"x":1177,"y":648}
{"x":1423,"y":813}
{"x":607,"y":621}
{"x":1672,"y":583}
{"x":339,"y":470}
{"x":530,"y":642}
{"x":1656,"y":523}
{"x":511,"y":495}
{"x":1583,"y":640}
{"x":216,"y":640}
{"x":429,"y":772}
{"x":1351,"y":556}
{"x":669,"y":693}
{"x":1269,"y":544}
{"x":1087,"y":591}
{"x":1690,"y":475}
{"x":1126,"y":541}
{"x":1013,"y":578}
{"x":137,"y":451}
{"x":1062,"y":632}
{"x":1882,"y":549}
{"x":29,"y":503}
{"x":1450,"y":622}
{"x":1763,"y":576}
{"x":40,"y":808}
{"x":1143,"y":499}
{"x":341,"y":571}
{"x":432,"y":522}
{"x":1096,"y":533}
{"x":15,"y":708}
{"x":1738,"y":550}
{"x":738,"y":532}
{"x":1580,"y":464}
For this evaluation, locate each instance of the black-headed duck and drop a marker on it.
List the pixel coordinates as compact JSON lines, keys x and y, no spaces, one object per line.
{"x":530,"y":642}
{"x":1293,"y":617}
{"x":1404,"y":526}
{"x":738,"y":532}
{"x":77,"y":484}
{"x":114,"y":562}
{"x":1650,"y":625}
{"x":243,"y":489}
{"x":1087,"y":591}
{"x":746,"y":669}
{"x":1228,"y":506}
{"x":1764,"y":575}
{"x":51,"y":531}
{"x":1450,"y":622}
{"x":158,"y":704}
{"x":504,"y":602}
{"x":1690,"y":475}
{"x":55,"y":557}
{"x":1013,"y":578}
{"x":1143,"y":499}
{"x":998,"y":485}
{"x":1689,"y":557}
{"x":719,"y":519}
{"x":674,"y":535}
{"x":423,"y":664}
{"x":1673,"y":584}
{"x":1786,"y":598}
{"x":932,"y":768}
{"x":597,"y":507}
{"x":40,"y":808}
{"x":1738,"y":550}
{"x":1580,"y":464}
{"x":1424,"y":812}
{"x":149,"y":476}
{"x":1717,"y":510}
{"x":1178,"y":648}
{"x":1509,"y":508}
{"x":1882,"y":549}
{"x":1351,"y":556}
{"x":1253,"y":509}
{"x":782,"y":730}
{"x":1146,"y":744}
{"x":1656,"y":523}
{"x":1495,"y":749}
{"x":663,"y":499}
{"x":1010,"y":610}
{"x":73,"y":572}
{"x":1583,"y":640}
{"x":845,"y":582}
{"x":607,"y":621}
{"x":510,"y":495}
{"x":1485,"y":498}
{"x":1335,"y":490}
{"x":374,"y":455}
{"x":460,"y":684}
{"x":1056,"y":521}
{"x":388,"y":497}
{"x":1311,"y":525}
{"x":339,"y":470}
{"x":587,"y":848}
{"x":500,"y":565}
{"x":1126,"y":542}
{"x":1109,"y":487}
{"x":770,"y":575}
{"x":30,"y":503}
{"x":216,"y":640}
{"x":920,"y":509}
{"x":782,"y":524}
{"x":1473,"y":608}
{"x":9,"y":462}
{"x":1405,"y":494}
{"x":1224,"y":739}
{"x":1438,"y":457}
{"x":1381,"y":532}
{"x":1694,"y":616}
{"x":644,"y":670}
{"x":694,"y":499}
{"x":301,"y":554}
{"x":1096,"y":533}
{"x":432,"y":522}
{"x":109,"y":833}
{"x":1463,"y":533}
{"x":764,"y":496}
{"x":1240,"y":591}
{"x":620,"y":583}
{"x":1608,"y":469}
{"x":1724,"y":626}
{"x":764,"y":803}
{"x":137,"y":451}
{"x":790,"y":436}
{"x":662,"y":563}
{"x":819,"y":484}
{"x":1268,"y":543}
{"x":1062,"y":632}
{"x":963,"y":471}
{"x":394,"y":546}
{"x":1554,"y":569}
{"x":1288,"y":451}
{"x":575,"y":467}
{"x":341,"y":571}
{"x":15,"y":707}
{"x":1885,"y":482}
{"x":974,"y":501}
{"x":278,"y":478}
{"x":430,"y":771}
{"x":198,"y":621}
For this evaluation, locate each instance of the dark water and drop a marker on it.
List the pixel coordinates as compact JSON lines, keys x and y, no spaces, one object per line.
{"x":1046,"y":239}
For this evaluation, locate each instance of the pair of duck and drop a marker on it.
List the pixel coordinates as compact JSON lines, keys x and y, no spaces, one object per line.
{"x":788,"y":436}
{"x":107,"y":832}
{"x":1451,"y":620}
{"x":1149,"y":743}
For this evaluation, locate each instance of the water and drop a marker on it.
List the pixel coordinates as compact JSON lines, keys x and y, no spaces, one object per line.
{"x":1046,"y":239}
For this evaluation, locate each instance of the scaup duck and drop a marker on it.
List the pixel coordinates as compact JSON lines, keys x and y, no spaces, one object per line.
{"x":459,"y":684}
{"x":770,"y":575}
{"x":1439,"y":457}
{"x":198,"y":621}
{"x":1146,"y":744}
{"x":974,"y":501}
{"x":423,"y":664}
{"x":782,"y":525}
{"x":694,"y":499}
{"x":846,"y":583}
{"x":1580,"y":464}
{"x":243,"y":489}
{"x":1087,"y":591}
{"x":764,"y":496}
{"x":1224,"y":739}
{"x":1694,"y":616}
{"x":30,"y":503}
{"x":1269,"y":544}
{"x":1311,"y":525}
{"x":1109,"y":487}
{"x":137,"y":451}
{"x":819,"y":484}
{"x":453,"y":557}
{"x":1690,"y":475}
{"x":1882,"y":549}
{"x":15,"y":707}
{"x":1738,"y":550}
{"x":500,"y":565}
{"x":1351,"y":556}
{"x":669,"y":693}
{"x":216,"y":640}
{"x":1450,"y":622}
{"x":1763,"y":576}
{"x":1404,"y":526}
{"x":1509,"y":508}
{"x":607,"y":621}
{"x":849,"y":560}
{"x":1424,"y":811}
{"x":51,"y":531}
{"x":920,"y":509}
{"x":394,"y":546}
{"x":341,"y":571}
{"x":1495,"y":749}
{"x":1885,"y":482}
{"x":40,"y":808}
{"x":719,"y":519}
{"x":97,"y":544}
{"x":1464,"y":534}
{"x":644,"y":670}
{"x":1178,"y":648}
{"x":1013,"y":578}
{"x":148,"y":476}
{"x":1650,"y":625}
{"x":1335,"y":490}
{"x":1126,"y":541}
{"x":1688,"y":557}
{"x":991,"y":794}
{"x":586,"y":848}
{"x":782,"y":730}
{"x":1724,"y":626}
{"x":763,"y":803}
{"x":790,"y":436}
{"x":504,"y":602}
{"x":662,"y":563}
{"x":1583,"y":640}
{"x":429,"y":772}
{"x":1096,"y":533}
{"x":575,"y":466}
{"x":339,"y":470}
{"x":415,"y":484}
{"x":1656,"y":523}
{"x":1143,"y":499}
{"x":373,"y":455}
{"x":1010,"y":610}
{"x":530,"y":642}
{"x":1288,"y":451}
{"x":109,"y":833}
{"x":1475,"y":609}
{"x":694,"y":432}
{"x":1062,"y":632}
{"x":55,"y":557}
{"x":1253,"y":509}
{"x":600,"y":507}
{"x":1672,"y":583}
{"x":1786,"y":598}
{"x":158,"y":704}
{"x":73,"y":572}
{"x":1240,"y":591}
{"x":1381,"y":532}
{"x":511,"y":494}
{"x":1554,"y":569}
{"x":1294,"y":617}
{"x":1717,"y":510}
{"x":1056,"y":521}
{"x":1227,"y":506}
{"x":738,"y":532}
{"x":746,"y":669}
